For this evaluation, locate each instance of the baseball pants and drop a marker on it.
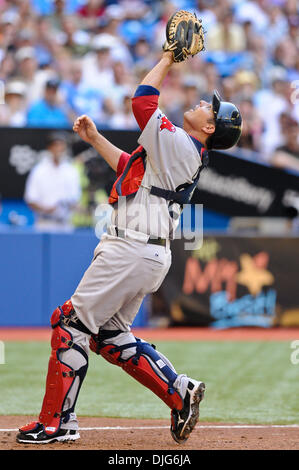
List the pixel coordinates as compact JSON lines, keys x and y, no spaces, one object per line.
{"x":109,"y":296}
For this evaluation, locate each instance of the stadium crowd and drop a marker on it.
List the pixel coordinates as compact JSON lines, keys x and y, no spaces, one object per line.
{"x":63,"y":58}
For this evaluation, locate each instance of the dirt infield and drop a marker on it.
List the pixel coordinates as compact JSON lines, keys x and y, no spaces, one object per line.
{"x":132,"y":434}
{"x":170,"y":334}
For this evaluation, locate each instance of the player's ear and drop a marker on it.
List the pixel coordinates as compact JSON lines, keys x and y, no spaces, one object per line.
{"x":209,"y":128}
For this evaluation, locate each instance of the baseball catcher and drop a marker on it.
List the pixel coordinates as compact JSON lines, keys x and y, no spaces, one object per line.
{"x":133,"y":257}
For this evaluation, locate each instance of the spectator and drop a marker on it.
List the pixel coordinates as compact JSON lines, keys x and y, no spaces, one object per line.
{"x":277,"y":28}
{"x":287,"y":155}
{"x":7,"y":67}
{"x":97,"y":65}
{"x":226,"y":35}
{"x":207,"y":10}
{"x":56,"y":18}
{"x":13,"y":111}
{"x":293,"y":29}
{"x":111,"y":20}
{"x":124,"y":118}
{"x":168,"y":9}
{"x":252,"y":126}
{"x":81,"y":98}
{"x":119,"y":40}
{"x":285,"y":54}
{"x":121,"y":85}
{"x":259,"y":61}
{"x":47,"y":112}
{"x":53,"y":188}
{"x":246,"y":84}
{"x":44,"y":41}
{"x":270,"y":104}
{"x":28,"y":72}
{"x":249,"y":34}
{"x":290,"y":7}
{"x":135,"y":9}
{"x":91,"y":12}
{"x":142,"y":53}
{"x":9,"y":22}
{"x":253,"y":11}
{"x":119,"y":50}
{"x":72,"y":38}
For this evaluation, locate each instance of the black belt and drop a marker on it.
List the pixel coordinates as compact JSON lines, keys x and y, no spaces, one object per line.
{"x":153,"y":241}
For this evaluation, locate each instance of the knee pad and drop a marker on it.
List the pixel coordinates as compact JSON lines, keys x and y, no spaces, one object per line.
{"x":62,"y":313}
{"x":61,"y":376}
{"x":148,"y":367}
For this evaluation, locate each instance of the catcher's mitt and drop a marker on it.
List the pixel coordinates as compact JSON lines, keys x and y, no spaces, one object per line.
{"x":184,"y":34}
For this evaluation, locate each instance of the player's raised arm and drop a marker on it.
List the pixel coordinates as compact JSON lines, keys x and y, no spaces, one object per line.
{"x":157,"y":75}
{"x":184,"y":38}
{"x":86,"y":129}
{"x":145,"y":100}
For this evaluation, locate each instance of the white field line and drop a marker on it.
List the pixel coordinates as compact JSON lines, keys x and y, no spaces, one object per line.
{"x":210,"y":426}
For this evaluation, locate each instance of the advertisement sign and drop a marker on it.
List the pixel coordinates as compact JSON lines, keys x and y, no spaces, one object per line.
{"x":229,"y":185}
{"x":233,"y":282}
{"x":239,"y":187}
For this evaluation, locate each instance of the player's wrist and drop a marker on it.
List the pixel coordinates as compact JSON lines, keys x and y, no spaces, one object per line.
{"x":167,"y":58}
{"x":94,"y":139}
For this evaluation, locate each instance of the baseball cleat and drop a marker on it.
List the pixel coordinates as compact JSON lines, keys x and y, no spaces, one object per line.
{"x":183,"y":422}
{"x":38,"y":436}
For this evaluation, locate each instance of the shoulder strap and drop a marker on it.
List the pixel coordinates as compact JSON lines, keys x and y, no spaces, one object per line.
{"x":183,"y":193}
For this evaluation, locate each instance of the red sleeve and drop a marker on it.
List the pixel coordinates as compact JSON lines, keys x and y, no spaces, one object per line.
{"x":121,"y":163}
{"x":144,"y":104}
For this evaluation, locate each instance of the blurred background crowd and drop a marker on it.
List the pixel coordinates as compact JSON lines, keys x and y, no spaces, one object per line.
{"x":62,"y":58}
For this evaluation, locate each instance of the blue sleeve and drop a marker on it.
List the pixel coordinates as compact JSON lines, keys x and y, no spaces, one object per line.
{"x":146,"y":90}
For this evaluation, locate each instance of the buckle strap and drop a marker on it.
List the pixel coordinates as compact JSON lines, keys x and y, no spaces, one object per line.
{"x":71,"y":373}
{"x":76,"y":373}
{"x":68,"y":342}
{"x":121,"y":348}
{"x":74,"y":322}
{"x":72,"y":345}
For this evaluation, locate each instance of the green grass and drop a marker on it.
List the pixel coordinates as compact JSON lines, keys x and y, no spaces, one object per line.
{"x":250,"y":382}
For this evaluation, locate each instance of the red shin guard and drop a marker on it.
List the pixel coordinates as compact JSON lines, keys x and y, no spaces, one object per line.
{"x":142,"y":371}
{"x":59,"y":381}
{"x":60,"y":377}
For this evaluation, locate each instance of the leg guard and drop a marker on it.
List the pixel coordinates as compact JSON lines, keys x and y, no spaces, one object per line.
{"x":147,"y":366}
{"x":61,"y":376}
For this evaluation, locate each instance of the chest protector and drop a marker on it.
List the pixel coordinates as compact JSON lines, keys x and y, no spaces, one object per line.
{"x":128,"y":183}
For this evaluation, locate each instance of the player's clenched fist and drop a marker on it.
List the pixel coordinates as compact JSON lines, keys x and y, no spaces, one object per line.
{"x":85,"y":128}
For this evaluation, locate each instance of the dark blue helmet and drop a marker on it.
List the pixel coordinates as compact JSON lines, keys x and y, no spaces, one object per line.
{"x":228,"y":123}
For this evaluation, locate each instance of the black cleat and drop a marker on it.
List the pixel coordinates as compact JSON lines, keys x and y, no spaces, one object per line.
{"x":38,"y":436}
{"x":184,"y":421}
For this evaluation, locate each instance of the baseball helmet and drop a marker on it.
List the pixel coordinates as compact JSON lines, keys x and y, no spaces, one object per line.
{"x":228,"y":122}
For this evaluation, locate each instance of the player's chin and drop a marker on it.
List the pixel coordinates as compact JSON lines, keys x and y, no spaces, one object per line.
{"x":186,"y":115}
{"x":187,"y":118}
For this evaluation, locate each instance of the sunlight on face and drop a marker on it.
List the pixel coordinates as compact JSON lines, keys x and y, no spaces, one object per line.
{"x":200,"y":116}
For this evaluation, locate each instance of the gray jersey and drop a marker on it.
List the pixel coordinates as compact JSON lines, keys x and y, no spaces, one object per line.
{"x":172,"y":159}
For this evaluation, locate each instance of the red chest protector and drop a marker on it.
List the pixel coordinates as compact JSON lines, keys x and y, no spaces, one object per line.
{"x":128,"y":183}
